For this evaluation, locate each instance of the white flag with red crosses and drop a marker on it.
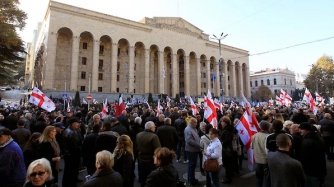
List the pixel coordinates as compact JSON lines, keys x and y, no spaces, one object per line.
{"x":39,"y":99}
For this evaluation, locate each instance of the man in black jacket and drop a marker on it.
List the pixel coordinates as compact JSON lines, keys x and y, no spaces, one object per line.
{"x":117,"y":127}
{"x":106,"y":140}
{"x":124,"y":120}
{"x":271,"y":145}
{"x":180,"y":125}
{"x":327,"y":131}
{"x":88,"y":153}
{"x":11,"y":120}
{"x":167,"y":135}
{"x":312,"y":156}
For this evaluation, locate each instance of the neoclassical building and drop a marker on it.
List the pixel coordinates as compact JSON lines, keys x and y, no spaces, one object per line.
{"x":81,"y":49}
{"x":274,"y":79}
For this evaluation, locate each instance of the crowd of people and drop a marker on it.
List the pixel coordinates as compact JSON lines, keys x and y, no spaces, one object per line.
{"x":290,"y":149}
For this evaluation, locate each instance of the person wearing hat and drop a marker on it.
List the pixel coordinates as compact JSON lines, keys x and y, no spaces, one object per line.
{"x":12,"y":167}
{"x":59,"y":136}
{"x":117,"y":127}
{"x":72,"y":154}
{"x":312,"y":156}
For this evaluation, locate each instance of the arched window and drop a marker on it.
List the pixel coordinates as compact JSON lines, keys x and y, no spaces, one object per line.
{"x":251,"y":84}
{"x":268,"y":82}
{"x":275,"y":82}
{"x":261,"y":82}
{"x":255,"y":83}
{"x":285,"y":81}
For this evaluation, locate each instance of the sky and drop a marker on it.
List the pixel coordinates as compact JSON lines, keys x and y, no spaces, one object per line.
{"x":256,"y":26}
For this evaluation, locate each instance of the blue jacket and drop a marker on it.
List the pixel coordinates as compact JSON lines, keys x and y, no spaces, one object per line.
{"x":12,"y":167}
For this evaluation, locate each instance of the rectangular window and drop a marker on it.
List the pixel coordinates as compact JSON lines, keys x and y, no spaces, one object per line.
{"x":117,"y":77}
{"x":100,"y":64}
{"x":101,"y":49}
{"x":100,"y":76}
{"x":134,"y":90}
{"x":84,"y":45}
{"x":82,"y":88}
{"x":134,"y":79}
{"x":99,"y":89}
{"x":83,"y":75}
{"x":117,"y":89}
{"x":204,"y":75}
{"x":83,"y":60}
{"x":204,"y":85}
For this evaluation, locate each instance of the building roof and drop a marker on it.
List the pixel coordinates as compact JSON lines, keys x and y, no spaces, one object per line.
{"x":272,"y":71}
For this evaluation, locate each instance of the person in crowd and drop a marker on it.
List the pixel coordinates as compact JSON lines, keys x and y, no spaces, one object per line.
{"x":299,"y":117}
{"x":180,"y":125}
{"x":174,"y":115}
{"x":48,"y":148}
{"x":313,"y":156}
{"x":88,"y":154}
{"x":72,"y":153}
{"x":104,"y":175}
{"x":30,"y":151}
{"x":59,"y":135}
{"x":214,"y":151}
{"x":327,"y":131}
{"x":165,"y":175}
{"x":201,"y":132}
{"x":20,"y":134}
{"x":147,"y":143}
{"x":12,"y":167}
{"x":284,"y":170}
{"x":160,"y":122}
{"x":260,"y":155}
{"x":39,"y":173}
{"x":192,"y":147}
{"x":123,"y":159}
{"x":297,"y":141}
{"x":106,"y":139}
{"x":117,"y":127}
{"x":96,"y":121}
{"x":286,"y":126}
{"x":28,"y":120}
{"x":271,"y":138}
{"x":167,"y":135}
{"x":189,"y":116}
{"x":135,"y":129}
{"x":40,"y":124}
{"x":124,"y":120}
{"x":204,"y":143}
{"x":229,"y":156}
{"x":151,"y":117}
{"x":278,"y":116}
{"x":11,"y":120}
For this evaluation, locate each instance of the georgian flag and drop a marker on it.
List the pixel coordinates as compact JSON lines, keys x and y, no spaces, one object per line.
{"x":104,"y":109}
{"x":39,"y":99}
{"x":210,"y":113}
{"x":308,"y":97}
{"x":251,"y":116}
{"x":148,"y":105}
{"x":68,"y":107}
{"x":271,"y":102}
{"x":279,"y":101}
{"x":285,"y":98}
{"x":193,"y":106}
{"x":217,"y":104}
{"x":84,"y":101}
{"x":119,"y":106}
{"x":159,"y":108}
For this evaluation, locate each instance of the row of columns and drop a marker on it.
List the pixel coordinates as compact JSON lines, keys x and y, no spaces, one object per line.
{"x":49,"y":80}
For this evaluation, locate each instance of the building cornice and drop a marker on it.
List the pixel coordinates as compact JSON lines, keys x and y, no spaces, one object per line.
{"x":227,"y":48}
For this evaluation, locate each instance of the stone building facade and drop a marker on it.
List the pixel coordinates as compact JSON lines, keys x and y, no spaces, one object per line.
{"x":81,"y":49}
{"x":274,"y":79}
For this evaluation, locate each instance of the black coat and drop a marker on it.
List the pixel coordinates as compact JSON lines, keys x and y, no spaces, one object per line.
{"x":45,"y":150}
{"x":136,"y":129}
{"x":162,"y":177}
{"x":123,"y":165}
{"x":327,"y":127}
{"x":124,"y":121}
{"x":21,"y":136}
{"x":106,"y":140}
{"x":180,"y":125}
{"x":299,"y":118}
{"x":30,"y":154}
{"x":105,"y":178}
{"x":39,"y":126}
{"x":167,"y":137}
{"x":297,"y":146}
{"x":46,"y":184}
{"x":10,"y":122}
{"x":88,"y":153}
{"x":120,"y":129}
{"x":313,"y":155}
{"x":72,"y":143}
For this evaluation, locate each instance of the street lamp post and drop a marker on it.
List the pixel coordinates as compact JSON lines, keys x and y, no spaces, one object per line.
{"x":221,"y":61}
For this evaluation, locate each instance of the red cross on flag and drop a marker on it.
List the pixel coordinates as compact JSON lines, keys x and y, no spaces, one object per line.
{"x":193,"y":106}
{"x":104,"y":109}
{"x":39,"y":99}
{"x":279,"y":101}
{"x":271,"y":102}
{"x":308,"y":97}
{"x":210,"y":113}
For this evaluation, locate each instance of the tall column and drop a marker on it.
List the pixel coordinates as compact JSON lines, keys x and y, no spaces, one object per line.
{"x":198,"y":76}
{"x":186,"y":76}
{"x":95,"y":72}
{"x":131,"y":68}
{"x":217,"y":86}
{"x":225,"y":78}
{"x":241,"y":81}
{"x":51,"y":61}
{"x":248,"y":91}
{"x":160,"y":73}
{"x":147,"y":71}
{"x":175,"y":75}
{"x":233,"y":82}
{"x":114,"y":49}
{"x":208,"y":76}
{"x":75,"y":62}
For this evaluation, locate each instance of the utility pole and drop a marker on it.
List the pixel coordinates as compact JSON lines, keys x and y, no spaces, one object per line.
{"x":221,"y":61}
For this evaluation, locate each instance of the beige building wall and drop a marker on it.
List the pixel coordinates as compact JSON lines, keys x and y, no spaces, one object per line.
{"x":109,"y":54}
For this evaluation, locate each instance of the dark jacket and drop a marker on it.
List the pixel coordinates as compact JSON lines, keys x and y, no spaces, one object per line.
{"x":10,"y":122}
{"x":88,"y":153}
{"x":327,"y":127}
{"x":123,"y":165}
{"x":45,"y":150}
{"x":120,"y":129}
{"x":162,"y":177}
{"x":167,"y":137}
{"x":313,"y":155}
{"x":135,"y":129}
{"x":284,"y":170}
{"x":39,"y":126}
{"x":271,"y":140}
{"x":299,"y":118}
{"x":105,"y":178}
{"x":180,"y":125}
{"x":72,"y":142}
{"x":46,"y":184}
{"x":106,"y":140}
{"x":147,"y":142}
{"x":30,"y":154}
{"x":297,"y":146}
{"x":151,"y":118}
{"x":124,"y":121}
{"x":21,"y":136}
{"x":174,"y":116}
{"x":12,"y":170}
